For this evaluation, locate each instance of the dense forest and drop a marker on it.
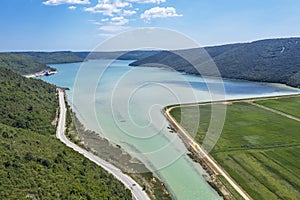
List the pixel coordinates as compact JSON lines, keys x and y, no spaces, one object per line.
{"x":33,"y":163}
{"x":273,"y":60}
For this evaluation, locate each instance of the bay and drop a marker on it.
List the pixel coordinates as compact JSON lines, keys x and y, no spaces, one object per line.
{"x":123,"y":104}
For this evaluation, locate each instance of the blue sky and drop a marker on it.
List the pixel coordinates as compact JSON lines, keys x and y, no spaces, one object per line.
{"x":49,"y":25}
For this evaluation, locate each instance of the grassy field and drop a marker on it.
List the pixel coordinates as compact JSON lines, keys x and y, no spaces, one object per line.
{"x":258,"y":148}
{"x":287,"y":105}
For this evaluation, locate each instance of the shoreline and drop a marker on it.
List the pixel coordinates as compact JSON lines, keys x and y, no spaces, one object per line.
{"x":45,"y":72}
{"x":232,"y":100}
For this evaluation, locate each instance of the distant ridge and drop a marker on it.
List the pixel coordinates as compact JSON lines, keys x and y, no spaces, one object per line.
{"x":270,"y":60}
{"x":57,"y":57}
{"x":121,"y":55}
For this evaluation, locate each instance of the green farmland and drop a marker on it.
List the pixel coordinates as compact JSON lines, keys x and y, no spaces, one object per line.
{"x":288,"y":105}
{"x":260,"y":149}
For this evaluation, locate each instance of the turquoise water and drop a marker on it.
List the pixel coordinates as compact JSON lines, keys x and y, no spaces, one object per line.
{"x":124,"y":105}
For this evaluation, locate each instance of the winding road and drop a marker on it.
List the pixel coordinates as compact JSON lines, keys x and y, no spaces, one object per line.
{"x":136,"y":190}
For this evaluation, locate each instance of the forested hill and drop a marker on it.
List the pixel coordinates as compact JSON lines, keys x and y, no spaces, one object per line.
{"x":273,"y":60}
{"x":33,"y":163}
{"x":20,"y":64}
{"x":121,"y":55}
{"x":57,"y":57}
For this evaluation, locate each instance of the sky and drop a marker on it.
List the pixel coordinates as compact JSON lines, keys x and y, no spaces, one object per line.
{"x":80,"y":25}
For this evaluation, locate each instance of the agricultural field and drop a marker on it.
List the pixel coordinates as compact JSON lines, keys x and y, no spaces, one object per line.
{"x":259,"y":148}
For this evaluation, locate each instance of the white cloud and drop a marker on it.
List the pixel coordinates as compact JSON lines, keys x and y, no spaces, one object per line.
{"x":113,"y":28}
{"x":113,"y":24}
{"x":108,"y":7}
{"x":106,"y":35}
{"x":129,"y":12}
{"x":117,"y":11}
{"x":72,"y":7}
{"x":119,"y":21}
{"x":148,"y":1}
{"x":95,"y":22}
{"x":59,"y":2}
{"x":160,"y":12}
{"x":121,"y":4}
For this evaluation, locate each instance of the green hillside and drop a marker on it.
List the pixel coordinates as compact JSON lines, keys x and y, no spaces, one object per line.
{"x":20,"y":64}
{"x":273,"y":60}
{"x":33,"y":163}
{"x":27,"y":103}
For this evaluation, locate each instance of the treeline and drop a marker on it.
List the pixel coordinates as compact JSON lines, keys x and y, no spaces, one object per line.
{"x":274,"y":60}
{"x":33,"y":163}
{"x":59,"y":57}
